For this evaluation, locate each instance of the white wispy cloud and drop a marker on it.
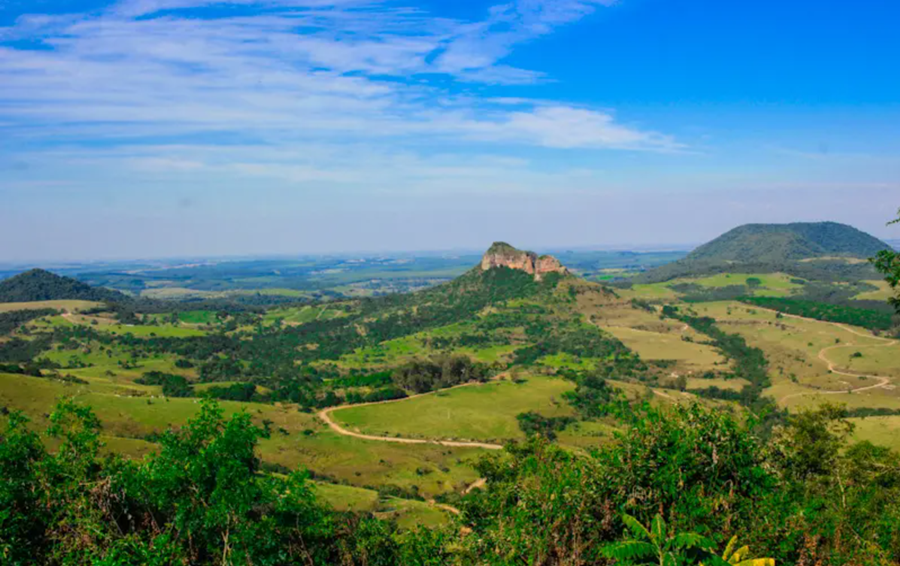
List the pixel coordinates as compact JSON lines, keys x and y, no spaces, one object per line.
{"x":284,"y":74}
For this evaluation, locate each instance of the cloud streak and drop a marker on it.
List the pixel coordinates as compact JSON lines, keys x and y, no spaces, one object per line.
{"x":285,"y":73}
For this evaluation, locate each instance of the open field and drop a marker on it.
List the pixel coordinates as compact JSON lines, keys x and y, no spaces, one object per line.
{"x":650,"y":345}
{"x":408,"y":513}
{"x":883,"y":293}
{"x":478,"y":412}
{"x":799,"y":352}
{"x":298,"y":440}
{"x":770,"y":284}
{"x":768,"y":281}
{"x":649,"y":292}
{"x":884,"y":431}
{"x":108,"y":325}
{"x":302,"y":315}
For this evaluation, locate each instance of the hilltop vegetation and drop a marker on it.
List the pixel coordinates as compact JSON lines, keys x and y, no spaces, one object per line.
{"x":771,"y":243}
{"x":820,"y":250}
{"x":41,"y":285}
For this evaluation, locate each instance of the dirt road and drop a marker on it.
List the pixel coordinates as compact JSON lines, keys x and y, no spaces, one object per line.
{"x":325,"y":415}
{"x":882,"y":380}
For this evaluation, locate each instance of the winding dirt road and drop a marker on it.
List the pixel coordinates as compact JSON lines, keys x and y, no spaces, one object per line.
{"x":325,"y":415}
{"x":883,"y":381}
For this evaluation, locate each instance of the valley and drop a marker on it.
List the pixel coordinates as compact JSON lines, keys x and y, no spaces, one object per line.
{"x":392,"y":404}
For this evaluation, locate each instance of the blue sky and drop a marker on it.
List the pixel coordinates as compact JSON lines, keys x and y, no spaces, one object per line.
{"x":146,"y":128}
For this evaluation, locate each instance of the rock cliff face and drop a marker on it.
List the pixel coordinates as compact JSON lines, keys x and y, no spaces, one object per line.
{"x":503,"y":254}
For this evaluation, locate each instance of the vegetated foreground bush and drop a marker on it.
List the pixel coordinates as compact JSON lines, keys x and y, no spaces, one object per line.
{"x":697,"y":477}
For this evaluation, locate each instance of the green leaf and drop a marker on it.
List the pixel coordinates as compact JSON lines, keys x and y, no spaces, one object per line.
{"x":691,"y":540}
{"x":658,"y":529}
{"x":639,"y":531}
{"x":629,"y":550}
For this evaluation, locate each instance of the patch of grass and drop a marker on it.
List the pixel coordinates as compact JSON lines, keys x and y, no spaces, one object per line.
{"x":346,"y":497}
{"x":477,"y":412}
{"x":408,"y":513}
{"x":568,"y":361}
{"x":884,"y":431}
{"x":670,"y":346}
{"x":883,"y":293}
{"x":302,"y":315}
{"x":369,"y":463}
{"x":197,"y":317}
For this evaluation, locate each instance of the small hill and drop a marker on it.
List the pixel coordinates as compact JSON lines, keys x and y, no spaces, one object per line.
{"x":765,"y":243}
{"x":42,"y":285}
{"x":780,"y":247}
{"x":501,"y":254}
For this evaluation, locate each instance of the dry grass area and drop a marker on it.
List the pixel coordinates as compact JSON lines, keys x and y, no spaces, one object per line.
{"x":691,"y":357}
{"x":795,"y":349}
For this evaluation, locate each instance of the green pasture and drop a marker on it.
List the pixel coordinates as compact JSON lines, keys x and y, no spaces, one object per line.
{"x":408,"y":513}
{"x":884,"y":431}
{"x":476,"y":412}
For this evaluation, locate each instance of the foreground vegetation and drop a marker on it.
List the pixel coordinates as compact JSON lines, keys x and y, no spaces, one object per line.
{"x":691,"y":474}
{"x":666,"y":423}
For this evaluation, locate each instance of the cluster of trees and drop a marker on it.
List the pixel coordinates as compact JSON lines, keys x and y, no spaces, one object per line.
{"x":698,"y":478}
{"x":438,"y":372}
{"x":749,"y":363}
{"x":593,"y":397}
{"x":805,"y":497}
{"x":532,"y":423}
{"x":582,"y":340}
{"x":887,"y":262}
{"x":172,"y":385}
{"x":235,"y":392}
{"x":16,"y":350}
{"x":41,"y":285}
{"x":867,"y":318}
{"x":201,"y":499}
{"x":11,"y":320}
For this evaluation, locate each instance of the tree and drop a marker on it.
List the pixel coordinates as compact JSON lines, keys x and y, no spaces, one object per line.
{"x":888,"y":263}
{"x":655,"y":546}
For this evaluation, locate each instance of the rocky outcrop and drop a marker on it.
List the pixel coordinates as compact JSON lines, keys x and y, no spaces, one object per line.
{"x":503,"y":254}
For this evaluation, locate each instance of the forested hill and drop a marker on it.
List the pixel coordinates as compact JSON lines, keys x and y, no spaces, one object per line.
{"x":788,"y":242}
{"x":813,"y":250}
{"x":41,"y":285}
